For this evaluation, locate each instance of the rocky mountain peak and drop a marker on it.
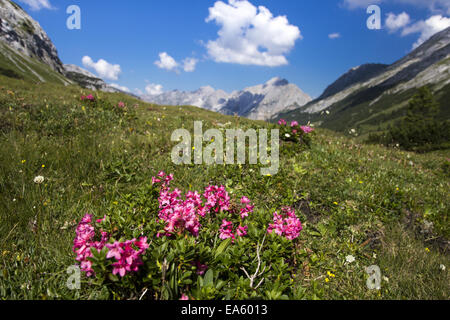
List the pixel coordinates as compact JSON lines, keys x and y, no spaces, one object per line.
{"x":277,"y":81}
{"x":22,"y":33}
{"x":258,"y":102}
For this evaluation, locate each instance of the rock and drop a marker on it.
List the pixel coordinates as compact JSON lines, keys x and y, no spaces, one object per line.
{"x":20,"y":32}
{"x":259,"y":102}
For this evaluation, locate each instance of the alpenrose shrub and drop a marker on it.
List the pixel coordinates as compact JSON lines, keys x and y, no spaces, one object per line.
{"x":294,"y":132}
{"x":160,"y":244}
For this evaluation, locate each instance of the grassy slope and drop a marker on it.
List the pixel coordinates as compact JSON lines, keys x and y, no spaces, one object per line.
{"x":18,"y":66}
{"x":366,"y":201}
{"x":354,"y":113}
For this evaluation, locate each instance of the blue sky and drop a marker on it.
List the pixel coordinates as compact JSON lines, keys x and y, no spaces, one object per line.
{"x":243,"y":43}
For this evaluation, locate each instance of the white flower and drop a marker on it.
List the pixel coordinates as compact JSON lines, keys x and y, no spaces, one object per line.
{"x":442,"y":267}
{"x":327,"y":112}
{"x":385,"y":278}
{"x":287,"y":135}
{"x":39,"y":179}
{"x":350,"y":258}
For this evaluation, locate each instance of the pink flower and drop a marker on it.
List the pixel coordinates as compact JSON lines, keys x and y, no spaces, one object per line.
{"x":141,"y":244}
{"x":121,"y":104}
{"x":201,"y":268}
{"x":226,"y":230}
{"x":161,"y":174}
{"x":101,"y":220}
{"x":247,"y":209}
{"x":89,"y":97}
{"x":307,"y":129}
{"x":127,"y":258}
{"x":294,"y":131}
{"x":241,"y":231}
{"x":217,"y":198}
{"x":245,"y":200}
{"x":155,"y":180}
{"x":294,"y":123}
{"x":184,"y":297}
{"x":286,"y":224}
{"x":115,"y":251}
{"x":282,"y":122}
{"x":84,"y":241}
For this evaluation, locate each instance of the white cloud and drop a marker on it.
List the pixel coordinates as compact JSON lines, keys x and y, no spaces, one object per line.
{"x":433,"y":5}
{"x":427,"y":28}
{"x":115,"y":85}
{"x":442,"y":6}
{"x":334,"y":35}
{"x":38,"y":4}
{"x":250,"y":35}
{"x":138,"y":92}
{"x":154,"y":89}
{"x":189,"y":64}
{"x":395,"y":22}
{"x":103,"y":68}
{"x":166,"y":62}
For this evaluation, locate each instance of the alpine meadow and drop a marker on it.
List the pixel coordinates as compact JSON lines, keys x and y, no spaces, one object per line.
{"x":261,"y":193}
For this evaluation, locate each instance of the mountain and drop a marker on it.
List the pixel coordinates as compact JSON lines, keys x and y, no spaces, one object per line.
{"x":260,"y":102}
{"x":88,"y":80}
{"x":354,"y":75}
{"x":370,"y":97}
{"x":20,"y":32}
{"x":205,"y":97}
{"x":26,"y":52}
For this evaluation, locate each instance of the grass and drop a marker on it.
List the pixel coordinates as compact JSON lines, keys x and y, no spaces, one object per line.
{"x":383,"y":206}
{"x":29,"y":69}
{"x":357,"y":111}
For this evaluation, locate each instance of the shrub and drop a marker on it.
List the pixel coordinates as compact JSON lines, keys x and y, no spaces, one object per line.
{"x":162,"y":245}
{"x":419,"y":131}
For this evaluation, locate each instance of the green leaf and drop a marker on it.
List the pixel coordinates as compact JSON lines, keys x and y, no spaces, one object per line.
{"x":113,"y":277}
{"x":222,"y":247}
{"x":209,"y":278}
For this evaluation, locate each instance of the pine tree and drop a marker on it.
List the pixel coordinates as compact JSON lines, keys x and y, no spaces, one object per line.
{"x":420,"y":130}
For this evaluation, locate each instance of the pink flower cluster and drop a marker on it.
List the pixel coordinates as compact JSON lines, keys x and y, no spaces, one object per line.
{"x":180,"y":215}
{"x":286,"y":224}
{"x":128,"y":259}
{"x":226,"y":230}
{"x":307,"y":129}
{"x":247,"y":209}
{"x":89,"y":97}
{"x":294,"y":125}
{"x":121,"y":104}
{"x":84,"y":241}
{"x":217,"y":198}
